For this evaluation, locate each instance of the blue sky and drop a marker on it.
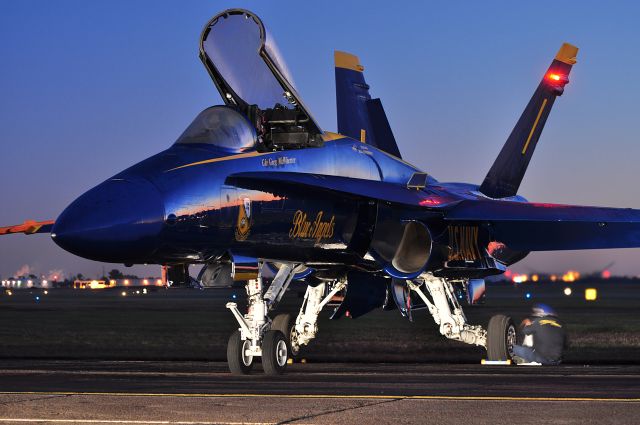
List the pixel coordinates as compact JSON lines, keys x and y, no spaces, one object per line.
{"x":89,"y":88}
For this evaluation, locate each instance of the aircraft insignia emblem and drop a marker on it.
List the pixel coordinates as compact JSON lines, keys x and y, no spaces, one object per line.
{"x":243,"y":225}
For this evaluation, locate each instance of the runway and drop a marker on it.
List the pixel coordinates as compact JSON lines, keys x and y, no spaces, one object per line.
{"x":204,"y":393}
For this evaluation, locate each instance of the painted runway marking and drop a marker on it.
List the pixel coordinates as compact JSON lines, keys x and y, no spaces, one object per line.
{"x":328,"y":396}
{"x":116,"y":421}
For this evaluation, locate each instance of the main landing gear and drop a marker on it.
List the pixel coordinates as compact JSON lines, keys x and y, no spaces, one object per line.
{"x":275,"y":341}
{"x":498,"y":339}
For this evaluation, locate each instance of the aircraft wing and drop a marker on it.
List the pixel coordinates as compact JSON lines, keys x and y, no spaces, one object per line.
{"x":391,"y":192}
{"x":521,"y":226}
{"x":29,"y":227}
{"x":549,"y":227}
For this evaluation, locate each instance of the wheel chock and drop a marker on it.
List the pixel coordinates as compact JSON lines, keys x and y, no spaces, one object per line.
{"x":495,"y":362}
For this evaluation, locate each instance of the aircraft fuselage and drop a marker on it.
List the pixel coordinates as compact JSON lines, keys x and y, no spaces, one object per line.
{"x":176,"y":207}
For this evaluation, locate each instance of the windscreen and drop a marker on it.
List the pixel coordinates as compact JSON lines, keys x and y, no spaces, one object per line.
{"x":233,"y":45}
{"x":222,"y":127}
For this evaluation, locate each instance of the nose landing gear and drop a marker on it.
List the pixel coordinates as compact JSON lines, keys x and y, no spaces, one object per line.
{"x":255,"y":338}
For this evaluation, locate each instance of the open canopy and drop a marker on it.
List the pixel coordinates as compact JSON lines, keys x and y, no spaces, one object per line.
{"x":245,"y":64}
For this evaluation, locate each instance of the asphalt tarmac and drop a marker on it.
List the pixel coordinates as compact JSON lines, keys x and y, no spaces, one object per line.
{"x":95,"y":392}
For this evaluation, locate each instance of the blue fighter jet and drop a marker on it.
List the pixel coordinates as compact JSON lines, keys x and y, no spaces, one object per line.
{"x":255,"y":191}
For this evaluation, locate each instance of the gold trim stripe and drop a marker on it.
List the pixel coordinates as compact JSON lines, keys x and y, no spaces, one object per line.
{"x":535,"y":124}
{"x":220,"y":159}
{"x":326,"y":136}
{"x":325,"y":396}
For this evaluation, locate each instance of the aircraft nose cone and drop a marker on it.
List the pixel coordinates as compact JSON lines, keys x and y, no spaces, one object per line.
{"x":117,"y":221}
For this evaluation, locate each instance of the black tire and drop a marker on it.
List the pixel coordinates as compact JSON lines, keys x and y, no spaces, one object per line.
{"x":501,"y":337}
{"x":275,"y":353}
{"x":282,"y":323}
{"x":238,"y":363}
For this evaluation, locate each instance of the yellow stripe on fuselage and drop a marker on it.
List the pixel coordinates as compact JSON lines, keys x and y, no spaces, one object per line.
{"x":220,"y":159}
{"x":326,"y":136}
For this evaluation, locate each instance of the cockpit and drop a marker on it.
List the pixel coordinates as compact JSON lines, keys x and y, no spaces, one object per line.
{"x":248,"y":70}
{"x":222,"y":127}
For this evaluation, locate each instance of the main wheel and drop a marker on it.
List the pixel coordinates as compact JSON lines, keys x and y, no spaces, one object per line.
{"x":240,"y":363}
{"x":282,"y":323}
{"x":501,"y":337}
{"x":275,"y":352}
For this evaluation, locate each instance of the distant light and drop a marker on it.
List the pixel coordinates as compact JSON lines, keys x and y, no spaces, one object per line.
{"x":46,"y":292}
{"x":591,"y":294}
{"x":126,"y":282}
{"x":234,"y":296}
{"x":567,"y":291}
{"x":534,"y":278}
{"x":123,"y":293}
{"x":520,"y":278}
{"x":9,"y":293}
{"x":37,"y":298}
{"x":554,"y":278}
{"x":606,"y":274}
{"x":570,"y":276}
{"x":145,"y":282}
{"x":159,"y":282}
{"x":527,"y":295}
{"x":138,"y":292}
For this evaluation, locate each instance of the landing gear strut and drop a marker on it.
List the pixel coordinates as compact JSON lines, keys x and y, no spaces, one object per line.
{"x":498,"y":339}
{"x":446,"y":310}
{"x":255,"y":338}
{"x":306,"y":325}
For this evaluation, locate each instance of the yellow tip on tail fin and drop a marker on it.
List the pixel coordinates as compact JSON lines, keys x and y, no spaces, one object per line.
{"x":567,"y":54}
{"x":347,"y":60}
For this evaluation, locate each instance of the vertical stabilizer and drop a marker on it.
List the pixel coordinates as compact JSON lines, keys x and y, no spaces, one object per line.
{"x":359,"y":116}
{"x":506,"y":173}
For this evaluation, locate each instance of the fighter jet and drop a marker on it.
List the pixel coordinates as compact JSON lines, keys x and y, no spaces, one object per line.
{"x":256,"y":187}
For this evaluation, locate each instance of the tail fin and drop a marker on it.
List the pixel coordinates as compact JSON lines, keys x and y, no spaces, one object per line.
{"x":359,"y":116}
{"x":507,"y":171}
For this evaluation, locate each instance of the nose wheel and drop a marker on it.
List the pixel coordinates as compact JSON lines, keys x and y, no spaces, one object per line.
{"x":239,"y":357}
{"x":274,"y":353}
{"x":257,"y":336}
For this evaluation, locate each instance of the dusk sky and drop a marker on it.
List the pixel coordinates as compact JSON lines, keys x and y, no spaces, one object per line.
{"x":89,"y":88}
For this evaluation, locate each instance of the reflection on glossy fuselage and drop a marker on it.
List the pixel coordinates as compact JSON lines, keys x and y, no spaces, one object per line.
{"x":175,"y":206}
